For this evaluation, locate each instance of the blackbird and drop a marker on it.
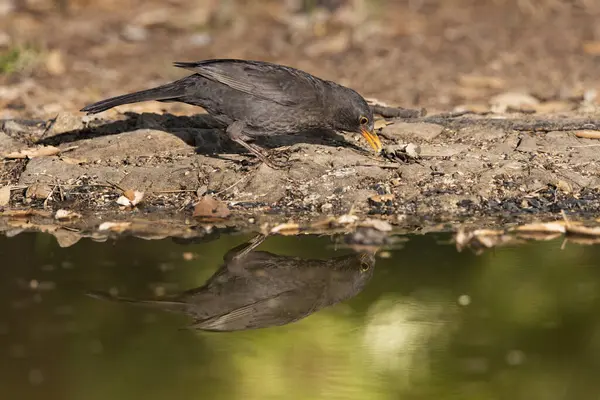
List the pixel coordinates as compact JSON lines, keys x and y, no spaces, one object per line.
{"x":258,"y":289}
{"x":255,"y":98}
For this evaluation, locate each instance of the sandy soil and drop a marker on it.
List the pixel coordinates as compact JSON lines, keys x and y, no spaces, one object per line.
{"x":524,"y":151}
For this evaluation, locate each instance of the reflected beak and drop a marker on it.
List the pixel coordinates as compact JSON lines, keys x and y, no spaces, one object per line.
{"x":372,"y":139}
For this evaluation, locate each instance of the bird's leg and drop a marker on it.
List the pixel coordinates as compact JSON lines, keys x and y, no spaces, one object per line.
{"x":241,"y":251}
{"x":235,"y":131}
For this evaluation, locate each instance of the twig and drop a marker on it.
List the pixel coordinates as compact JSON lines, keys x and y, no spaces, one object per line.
{"x":172,"y":191}
{"x":232,"y":185}
{"x":49,"y":195}
{"x":389,"y":166}
{"x":68,"y":149}
{"x":114,"y":185}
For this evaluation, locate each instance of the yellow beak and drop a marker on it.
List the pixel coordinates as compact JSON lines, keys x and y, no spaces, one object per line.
{"x":372,"y":139}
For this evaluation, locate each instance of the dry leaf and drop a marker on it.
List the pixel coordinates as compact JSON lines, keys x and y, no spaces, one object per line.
{"x":24,"y":213}
{"x":579,"y":230}
{"x":347,"y":219}
{"x":554,"y":107}
{"x":543,"y":227}
{"x":65,"y":214}
{"x":382,"y":198}
{"x":130,"y":198}
{"x":475,"y":108}
{"x":539,"y":236}
{"x":209,"y":207}
{"x":377,"y":224}
{"x":32,"y":152}
{"x":114,"y":226}
{"x":130,"y":194}
{"x":5,"y":195}
{"x":564,"y":186}
{"x":38,"y":191}
{"x":381,"y":123}
{"x":588,"y":134}
{"x":481,"y":239}
{"x":290,"y":228}
{"x":66,"y":238}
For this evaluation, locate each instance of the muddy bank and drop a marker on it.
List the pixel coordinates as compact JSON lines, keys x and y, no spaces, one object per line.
{"x":456,"y":169}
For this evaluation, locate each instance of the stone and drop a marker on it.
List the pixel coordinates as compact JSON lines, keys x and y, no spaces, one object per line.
{"x":419,"y":130}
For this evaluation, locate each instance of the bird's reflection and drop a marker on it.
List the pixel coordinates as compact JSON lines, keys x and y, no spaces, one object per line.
{"x":258,"y":289}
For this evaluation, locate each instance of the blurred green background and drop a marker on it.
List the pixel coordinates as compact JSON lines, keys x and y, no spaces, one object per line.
{"x":519,"y":323}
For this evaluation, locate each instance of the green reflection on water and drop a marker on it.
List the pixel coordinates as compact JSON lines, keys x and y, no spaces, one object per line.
{"x":432,"y":323}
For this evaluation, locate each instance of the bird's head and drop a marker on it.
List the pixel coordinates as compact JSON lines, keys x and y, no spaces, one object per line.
{"x":355,"y":115}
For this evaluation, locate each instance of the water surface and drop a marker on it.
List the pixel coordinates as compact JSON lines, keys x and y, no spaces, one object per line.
{"x":423,"y":322}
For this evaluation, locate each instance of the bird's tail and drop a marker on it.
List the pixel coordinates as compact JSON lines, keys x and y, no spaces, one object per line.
{"x":170,"y":91}
{"x":168,"y":305}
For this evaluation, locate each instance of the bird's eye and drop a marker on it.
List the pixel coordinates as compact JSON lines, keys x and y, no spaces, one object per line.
{"x":364,"y":267}
{"x":363,"y":120}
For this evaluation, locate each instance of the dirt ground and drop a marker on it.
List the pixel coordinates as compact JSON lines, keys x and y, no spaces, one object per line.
{"x":526,"y":150}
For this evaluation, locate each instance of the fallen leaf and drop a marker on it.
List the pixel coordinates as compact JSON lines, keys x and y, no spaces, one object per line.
{"x":290,"y":228}
{"x":114,"y":226}
{"x":480,"y":239}
{"x":32,"y":152}
{"x":588,"y":134}
{"x":381,"y":198}
{"x":210,"y":207}
{"x":130,"y":198}
{"x":578,"y":230}
{"x":130,"y":194}
{"x":66,"y":238}
{"x":24,"y":213}
{"x":475,"y":108}
{"x":5,"y":195}
{"x":347,"y":219}
{"x":377,"y":224}
{"x":539,"y":236}
{"x":65,"y":214}
{"x":584,"y":240}
{"x":38,"y":191}
{"x":564,"y":186}
{"x":553,"y":107}
{"x":514,"y":101}
{"x":543,"y":227}
{"x":381,"y":123}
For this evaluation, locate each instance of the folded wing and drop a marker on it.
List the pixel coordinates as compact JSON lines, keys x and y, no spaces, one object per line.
{"x":282,"y":85}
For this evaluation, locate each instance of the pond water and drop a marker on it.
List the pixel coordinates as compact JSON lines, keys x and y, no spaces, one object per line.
{"x":419,"y":321}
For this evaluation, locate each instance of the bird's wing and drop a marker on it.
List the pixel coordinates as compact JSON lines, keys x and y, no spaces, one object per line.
{"x":280,"y":309}
{"x":282,"y":85}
